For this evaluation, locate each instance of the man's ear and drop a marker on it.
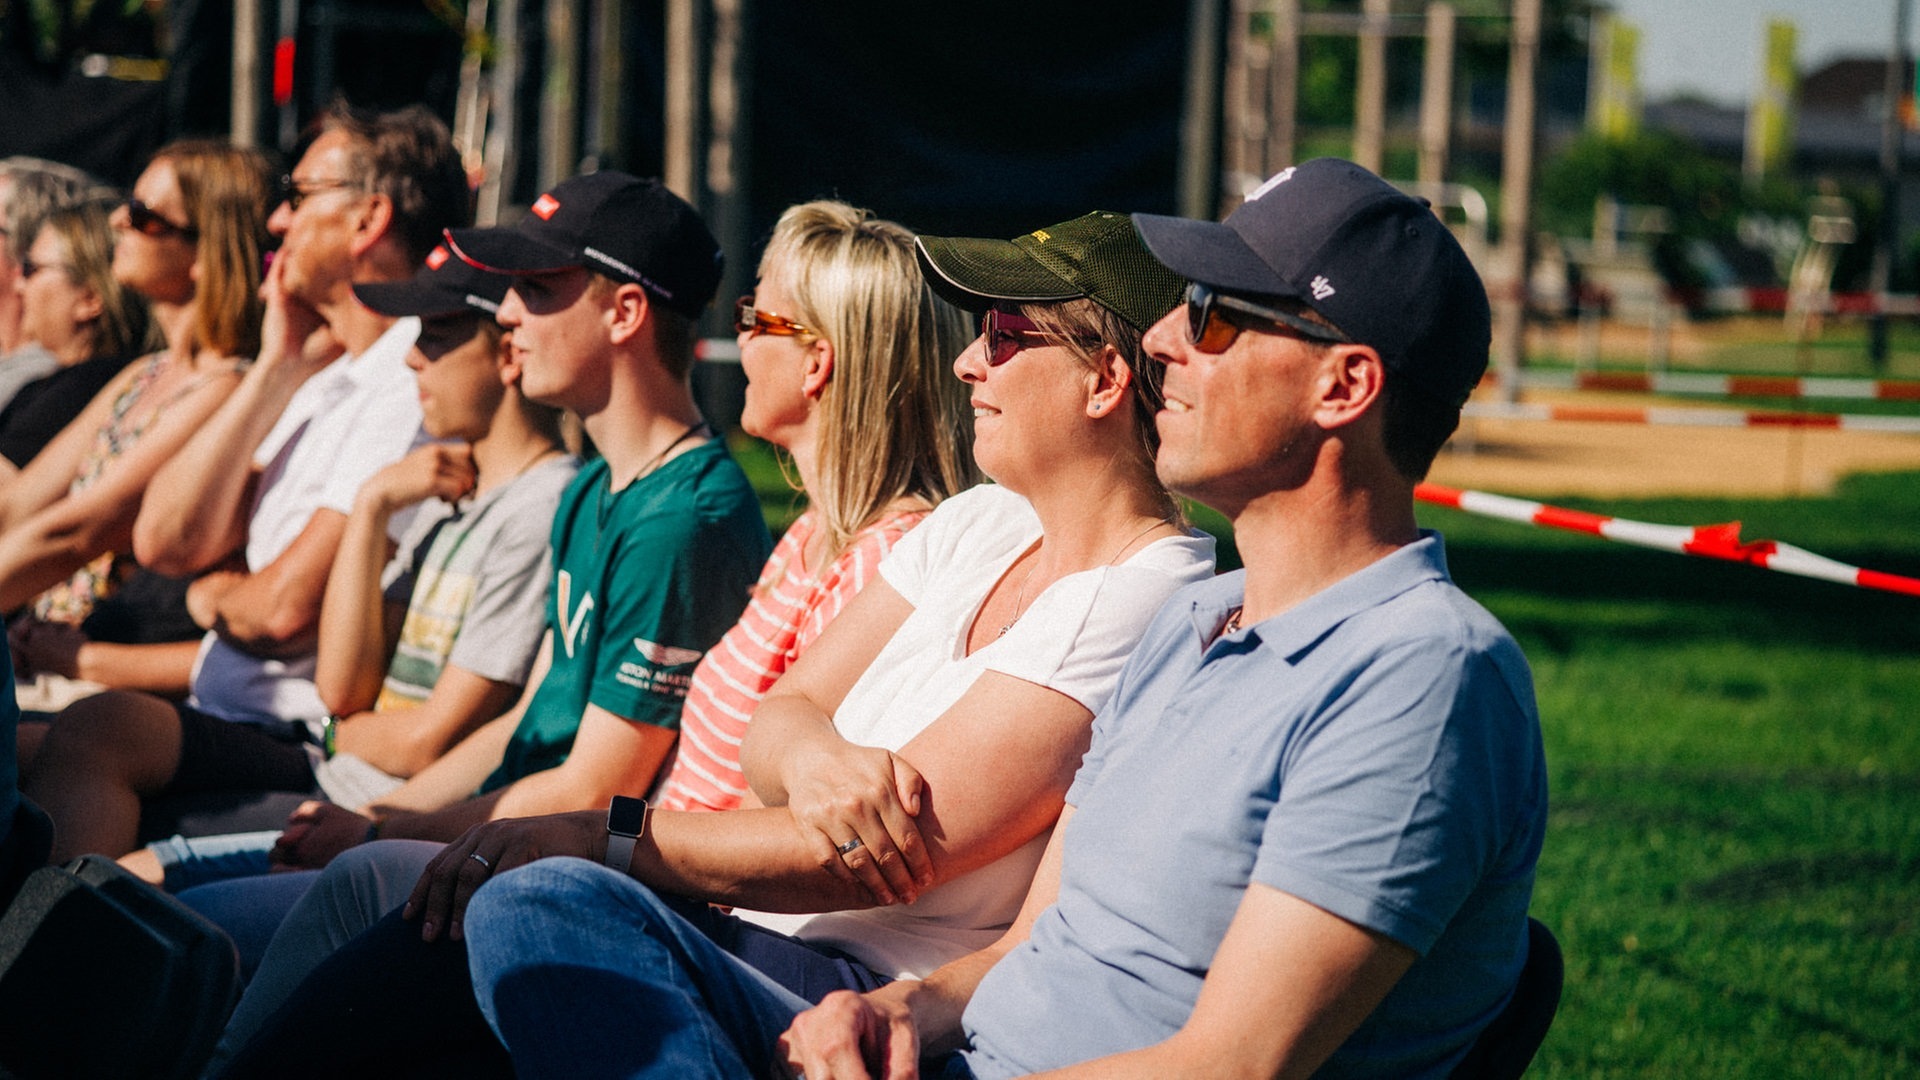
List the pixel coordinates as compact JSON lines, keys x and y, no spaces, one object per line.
{"x":1351,"y":379}
{"x":1109,"y":382}
{"x":375,"y":222}
{"x":627,"y":312}
{"x":819,"y":370}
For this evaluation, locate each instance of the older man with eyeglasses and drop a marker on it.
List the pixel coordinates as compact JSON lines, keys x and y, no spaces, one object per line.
{"x":257,"y":501}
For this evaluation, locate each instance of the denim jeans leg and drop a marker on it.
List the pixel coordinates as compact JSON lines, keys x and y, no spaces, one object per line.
{"x":583,"y":972}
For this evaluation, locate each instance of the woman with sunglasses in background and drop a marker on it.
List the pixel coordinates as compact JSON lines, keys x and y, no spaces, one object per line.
{"x":189,"y":243}
{"x":906,"y":770}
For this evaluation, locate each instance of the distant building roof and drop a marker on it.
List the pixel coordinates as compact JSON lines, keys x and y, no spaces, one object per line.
{"x":1853,"y":85}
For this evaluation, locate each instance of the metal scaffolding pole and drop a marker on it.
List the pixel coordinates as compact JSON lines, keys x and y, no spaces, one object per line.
{"x":1516,"y":196}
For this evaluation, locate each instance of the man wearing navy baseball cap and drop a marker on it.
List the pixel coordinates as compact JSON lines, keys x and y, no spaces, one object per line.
{"x":1304,"y":838}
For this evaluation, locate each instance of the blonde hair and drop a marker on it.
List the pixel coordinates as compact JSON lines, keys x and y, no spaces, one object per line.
{"x":893,"y":418}
{"x":122,"y":328}
{"x":227,"y":192}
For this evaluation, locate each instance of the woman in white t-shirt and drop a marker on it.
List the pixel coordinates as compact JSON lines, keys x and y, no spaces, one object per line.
{"x":913,"y":761}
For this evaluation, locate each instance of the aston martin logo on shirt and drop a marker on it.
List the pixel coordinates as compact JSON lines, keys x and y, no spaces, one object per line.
{"x":665,"y":655}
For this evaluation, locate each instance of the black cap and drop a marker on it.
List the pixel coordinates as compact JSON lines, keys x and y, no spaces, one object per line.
{"x":1097,"y":255}
{"x":619,"y":225}
{"x":1372,"y":260}
{"x":442,"y":286}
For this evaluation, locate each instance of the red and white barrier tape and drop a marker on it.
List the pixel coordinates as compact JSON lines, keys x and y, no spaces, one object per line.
{"x":1785,"y":386}
{"x":1895,"y":425}
{"x":1708,"y":541}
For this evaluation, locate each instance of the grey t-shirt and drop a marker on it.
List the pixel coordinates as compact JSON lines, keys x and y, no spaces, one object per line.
{"x":474,"y":579}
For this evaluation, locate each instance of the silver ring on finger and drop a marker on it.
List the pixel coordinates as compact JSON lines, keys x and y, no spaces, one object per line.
{"x":848,"y":846}
{"x":482,"y":860}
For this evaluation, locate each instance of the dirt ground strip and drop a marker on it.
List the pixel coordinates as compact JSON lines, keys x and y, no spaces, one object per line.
{"x":1544,"y":458}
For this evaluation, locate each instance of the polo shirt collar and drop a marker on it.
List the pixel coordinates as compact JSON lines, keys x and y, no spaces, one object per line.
{"x":1295,"y":630}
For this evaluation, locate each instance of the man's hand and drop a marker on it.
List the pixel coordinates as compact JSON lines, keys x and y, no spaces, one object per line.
{"x":851,"y":1036}
{"x":291,"y":329}
{"x":440,"y":897}
{"x":436,"y":470}
{"x":317,"y":832}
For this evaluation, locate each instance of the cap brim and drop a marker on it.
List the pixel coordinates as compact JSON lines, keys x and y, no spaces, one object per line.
{"x":974,"y":273}
{"x":506,"y":250}
{"x":402,"y":298}
{"x":1209,"y":253}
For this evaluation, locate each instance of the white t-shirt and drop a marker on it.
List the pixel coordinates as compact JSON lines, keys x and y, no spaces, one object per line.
{"x":344,"y":424}
{"x":1073,"y":638}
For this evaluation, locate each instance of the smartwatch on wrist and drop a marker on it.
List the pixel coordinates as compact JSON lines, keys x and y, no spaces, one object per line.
{"x":626,"y":823}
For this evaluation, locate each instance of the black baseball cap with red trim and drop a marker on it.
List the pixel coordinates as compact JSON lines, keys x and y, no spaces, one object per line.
{"x":612,"y":223}
{"x":442,"y":286}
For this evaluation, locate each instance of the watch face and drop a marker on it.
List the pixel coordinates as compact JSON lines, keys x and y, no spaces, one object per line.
{"x":627,"y":816}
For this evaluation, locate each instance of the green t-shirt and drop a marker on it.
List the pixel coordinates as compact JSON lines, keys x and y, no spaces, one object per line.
{"x":645,"y":581}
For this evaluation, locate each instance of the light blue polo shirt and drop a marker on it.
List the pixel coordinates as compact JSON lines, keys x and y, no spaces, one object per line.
{"x":1374,"y":751}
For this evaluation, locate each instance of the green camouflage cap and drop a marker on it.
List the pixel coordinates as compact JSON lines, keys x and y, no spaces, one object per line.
{"x":1099,"y":256}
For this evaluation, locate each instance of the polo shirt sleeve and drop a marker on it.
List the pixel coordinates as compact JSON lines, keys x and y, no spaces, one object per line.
{"x":1387,"y":811}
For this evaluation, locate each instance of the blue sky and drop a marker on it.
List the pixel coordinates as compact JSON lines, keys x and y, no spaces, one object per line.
{"x":1713,"y":47}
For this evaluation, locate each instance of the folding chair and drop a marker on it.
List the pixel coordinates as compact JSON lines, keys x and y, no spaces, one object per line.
{"x":1504,"y":1049}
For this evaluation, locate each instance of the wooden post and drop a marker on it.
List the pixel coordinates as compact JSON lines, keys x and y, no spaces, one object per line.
{"x":607,"y":87}
{"x":1891,"y":137}
{"x":501,"y":157}
{"x":686,"y":82}
{"x":729,"y":112}
{"x":1516,"y":196}
{"x":1370,"y":105}
{"x":1436,"y":94}
{"x":1196,"y":193}
{"x":1240,"y":114}
{"x":1283,"y":85}
{"x":559,"y":108}
{"x":243,"y":128}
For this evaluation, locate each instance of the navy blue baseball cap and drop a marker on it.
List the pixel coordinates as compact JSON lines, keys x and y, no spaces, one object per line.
{"x":1370,"y":259}
{"x":613,"y":223}
{"x":442,"y":286}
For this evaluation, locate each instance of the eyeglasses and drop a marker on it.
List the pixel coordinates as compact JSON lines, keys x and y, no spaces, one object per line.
{"x":1211,"y":332}
{"x":1007,"y":333}
{"x":294,"y":192}
{"x":148,"y":222}
{"x":748,"y":319}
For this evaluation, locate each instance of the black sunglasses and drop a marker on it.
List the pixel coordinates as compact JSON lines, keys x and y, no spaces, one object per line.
{"x":148,"y":222}
{"x":1209,"y":331}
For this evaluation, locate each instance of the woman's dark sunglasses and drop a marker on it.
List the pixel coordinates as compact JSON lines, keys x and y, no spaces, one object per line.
{"x":1211,"y":332}
{"x":1008,"y":332}
{"x":148,"y":222}
{"x":748,"y":319}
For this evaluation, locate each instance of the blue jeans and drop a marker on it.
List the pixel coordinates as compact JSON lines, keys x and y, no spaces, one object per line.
{"x":568,"y":956}
{"x":188,"y":861}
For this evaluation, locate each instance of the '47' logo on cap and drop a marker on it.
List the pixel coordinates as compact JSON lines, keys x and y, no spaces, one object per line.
{"x":545,"y":206}
{"x":1322,"y":288}
{"x":1273,"y":181}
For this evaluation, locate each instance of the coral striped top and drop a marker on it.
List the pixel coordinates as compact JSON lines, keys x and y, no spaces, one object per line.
{"x":788,"y":611}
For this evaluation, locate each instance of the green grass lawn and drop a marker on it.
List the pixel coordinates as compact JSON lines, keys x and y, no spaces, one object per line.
{"x":1733,"y":864}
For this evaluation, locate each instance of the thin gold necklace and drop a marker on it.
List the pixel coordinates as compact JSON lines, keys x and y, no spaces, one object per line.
{"x":1020,"y":595}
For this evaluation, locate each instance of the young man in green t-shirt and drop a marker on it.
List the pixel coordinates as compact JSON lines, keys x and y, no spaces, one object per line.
{"x":656,"y":544}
